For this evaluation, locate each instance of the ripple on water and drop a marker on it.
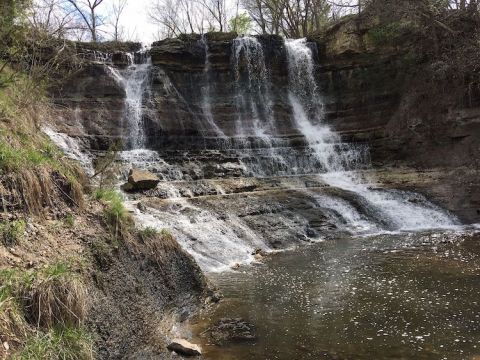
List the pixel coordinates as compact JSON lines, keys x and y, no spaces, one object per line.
{"x":388,"y":296}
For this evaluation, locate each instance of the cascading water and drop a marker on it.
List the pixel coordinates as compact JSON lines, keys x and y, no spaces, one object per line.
{"x":134,"y":79}
{"x":338,"y":159}
{"x":254,"y":103}
{"x":71,"y":148}
{"x":206,"y":101}
{"x":255,"y":123}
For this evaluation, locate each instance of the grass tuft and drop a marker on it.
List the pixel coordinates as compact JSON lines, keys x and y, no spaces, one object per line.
{"x":69,"y":220}
{"x":58,"y":344}
{"x":115,"y":213}
{"x":12,"y":232}
{"x":148,"y":233}
{"x":56,"y":297}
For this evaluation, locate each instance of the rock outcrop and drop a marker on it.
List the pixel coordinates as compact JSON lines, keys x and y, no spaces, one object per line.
{"x":140,"y":180}
{"x":372,"y":91}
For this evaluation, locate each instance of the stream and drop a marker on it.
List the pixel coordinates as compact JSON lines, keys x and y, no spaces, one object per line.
{"x":389,"y":296}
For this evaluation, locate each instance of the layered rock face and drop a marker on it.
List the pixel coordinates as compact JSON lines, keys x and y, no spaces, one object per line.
{"x":219,"y":106}
{"x":379,"y":93}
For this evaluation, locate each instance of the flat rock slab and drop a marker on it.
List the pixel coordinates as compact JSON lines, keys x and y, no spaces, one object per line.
{"x":141,"y":180}
{"x":183,"y":347}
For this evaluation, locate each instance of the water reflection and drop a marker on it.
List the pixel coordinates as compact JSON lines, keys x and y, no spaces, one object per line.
{"x":395,"y":296}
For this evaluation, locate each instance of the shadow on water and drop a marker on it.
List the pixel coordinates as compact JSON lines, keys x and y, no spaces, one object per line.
{"x":395,"y":296}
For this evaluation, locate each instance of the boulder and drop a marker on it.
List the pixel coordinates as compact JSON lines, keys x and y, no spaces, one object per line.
{"x":183,"y":347}
{"x":140,"y":180}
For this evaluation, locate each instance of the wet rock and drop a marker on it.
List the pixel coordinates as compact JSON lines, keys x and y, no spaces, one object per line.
{"x":140,"y":180}
{"x":215,"y":297}
{"x":183,"y":347}
{"x":229,"y":330}
{"x":141,"y":207}
{"x":122,"y":59}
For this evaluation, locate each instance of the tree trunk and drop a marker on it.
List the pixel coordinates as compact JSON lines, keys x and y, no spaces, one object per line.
{"x":94,"y":26}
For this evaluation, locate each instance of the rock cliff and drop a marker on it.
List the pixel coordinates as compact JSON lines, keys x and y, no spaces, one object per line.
{"x":374,"y":94}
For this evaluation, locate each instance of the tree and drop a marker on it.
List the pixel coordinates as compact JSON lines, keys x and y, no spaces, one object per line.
{"x":86,"y":10}
{"x":241,"y":23}
{"x":118,"y":7}
{"x":175,"y":17}
{"x":53,"y":18}
{"x":217,"y":9}
{"x":292,"y":18}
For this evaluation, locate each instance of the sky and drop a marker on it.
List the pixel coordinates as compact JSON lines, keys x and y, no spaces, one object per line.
{"x":136,"y":22}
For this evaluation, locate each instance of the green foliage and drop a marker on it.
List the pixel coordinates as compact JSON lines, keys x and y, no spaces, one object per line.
{"x":13,"y":159}
{"x":14,"y":282}
{"x":148,"y":233}
{"x":58,"y":344}
{"x":13,"y":15}
{"x":241,"y":23}
{"x":57,"y":270}
{"x":12,"y":232}
{"x":115,"y":212}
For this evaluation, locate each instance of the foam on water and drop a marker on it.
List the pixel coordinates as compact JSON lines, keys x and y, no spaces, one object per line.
{"x":395,"y":206}
{"x":214,"y":243}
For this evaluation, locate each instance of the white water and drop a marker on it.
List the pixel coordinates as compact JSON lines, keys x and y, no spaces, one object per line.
{"x":336,"y":160}
{"x":216,"y":245}
{"x":218,"y":242}
{"x":71,"y":148}
{"x":254,"y":103}
{"x":206,"y":101}
{"x":134,"y":79}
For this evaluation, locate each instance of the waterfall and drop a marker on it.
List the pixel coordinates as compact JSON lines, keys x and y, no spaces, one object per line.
{"x":206,"y":101}
{"x":252,"y":88}
{"x":337,"y":159}
{"x":255,"y":122}
{"x":134,"y":79}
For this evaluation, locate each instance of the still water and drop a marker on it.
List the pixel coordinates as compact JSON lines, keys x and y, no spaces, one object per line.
{"x":390,"y":296}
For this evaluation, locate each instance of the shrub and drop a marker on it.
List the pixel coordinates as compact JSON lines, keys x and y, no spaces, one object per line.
{"x":13,"y":326}
{"x":54,"y":296}
{"x":12,"y":232}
